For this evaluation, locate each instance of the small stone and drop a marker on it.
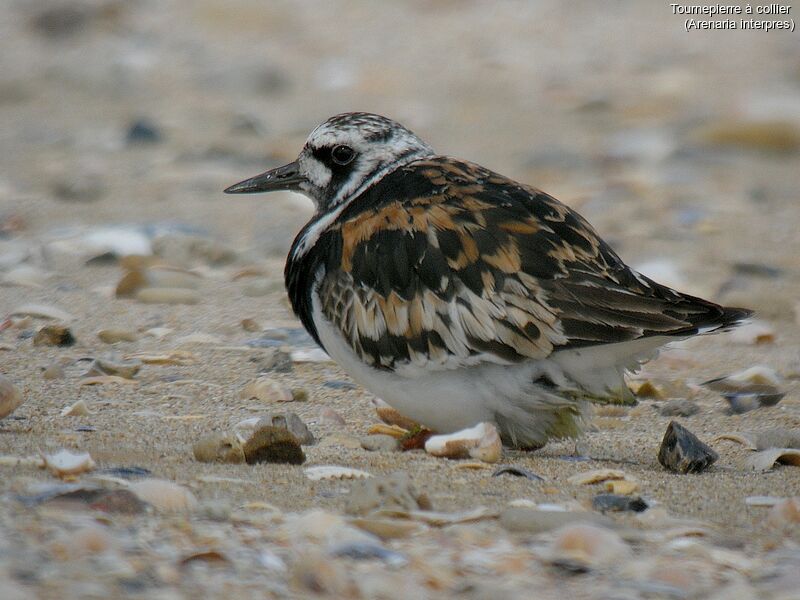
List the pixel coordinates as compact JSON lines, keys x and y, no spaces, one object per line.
{"x":112,"y":336}
{"x":273,"y":445}
{"x":481,"y":442}
{"x":251,"y":325}
{"x":681,"y":451}
{"x":66,"y":464}
{"x":380,"y":443}
{"x":328,"y":416}
{"x":581,"y":547}
{"x":680,"y":407}
{"x":266,"y":390}
{"x":168,"y":296}
{"x":617,"y":503}
{"x":79,"y":186}
{"x":79,"y":409}
{"x":218,"y":447}
{"x":395,"y":492}
{"x":164,"y":495}
{"x":54,"y":335}
{"x":648,"y":389}
{"x":142,"y":131}
{"x":291,"y":422}
{"x":299,"y":394}
{"x":10,"y":397}
{"x":521,"y":519}
{"x":277,"y":361}
{"x":387,"y":529}
{"x":53,"y":371}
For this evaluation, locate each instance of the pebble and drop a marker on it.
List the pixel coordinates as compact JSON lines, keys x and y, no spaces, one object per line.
{"x":219,"y":447}
{"x":581,"y":547}
{"x":164,"y":495}
{"x":293,"y":423}
{"x":679,"y":407}
{"x":681,"y":451}
{"x":142,"y":131}
{"x":112,"y":336}
{"x":266,"y":390}
{"x":270,"y":444}
{"x":395,"y":492}
{"x":387,"y":529}
{"x":251,"y":325}
{"x":10,"y":397}
{"x":323,"y":472}
{"x":379,"y":443}
{"x":79,"y":186}
{"x":79,"y":409}
{"x":53,"y":371}
{"x":766,"y":459}
{"x":66,"y":464}
{"x":54,"y":335}
{"x":481,"y":442}
{"x":328,"y":416}
{"x":618,"y":503}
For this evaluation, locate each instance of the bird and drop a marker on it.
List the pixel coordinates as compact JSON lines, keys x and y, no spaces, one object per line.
{"x":460,"y":296}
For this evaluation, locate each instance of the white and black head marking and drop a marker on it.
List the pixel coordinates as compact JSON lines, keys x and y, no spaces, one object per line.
{"x":349,"y":151}
{"x":342,"y":157}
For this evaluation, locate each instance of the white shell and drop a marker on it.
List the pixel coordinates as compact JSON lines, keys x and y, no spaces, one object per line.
{"x":64,"y":463}
{"x":766,"y":459}
{"x":164,"y":495}
{"x":79,"y":409}
{"x":43,"y":311}
{"x":334,"y":472}
{"x":481,"y":442}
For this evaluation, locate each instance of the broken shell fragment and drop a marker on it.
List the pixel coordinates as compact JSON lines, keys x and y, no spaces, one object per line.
{"x":79,"y":409}
{"x":749,"y":389}
{"x":112,"y":336}
{"x":164,"y":495}
{"x":323,"y":472}
{"x":481,"y":442}
{"x":766,"y":459}
{"x":582,"y":547}
{"x":126,"y":370}
{"x":65,"y":463}
{"x":10,"y":397}
{"x":596,"y":476}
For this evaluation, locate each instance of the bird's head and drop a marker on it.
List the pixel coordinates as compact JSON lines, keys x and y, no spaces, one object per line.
{"x":342,"y":157}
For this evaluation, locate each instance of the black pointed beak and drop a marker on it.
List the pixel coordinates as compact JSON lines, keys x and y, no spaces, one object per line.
{"x":287,"y":177}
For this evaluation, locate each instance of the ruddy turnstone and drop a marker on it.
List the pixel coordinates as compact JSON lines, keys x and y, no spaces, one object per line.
{"x":458,"y":295}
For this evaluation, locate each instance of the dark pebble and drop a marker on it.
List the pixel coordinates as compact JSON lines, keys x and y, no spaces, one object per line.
{"x":618,"y":503}
{"x":273,"y":445}
{"x":681,"y":451}
{"x":142,"y":131}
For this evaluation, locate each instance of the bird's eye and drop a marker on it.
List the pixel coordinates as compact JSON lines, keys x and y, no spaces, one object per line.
{"x":342,"y":155}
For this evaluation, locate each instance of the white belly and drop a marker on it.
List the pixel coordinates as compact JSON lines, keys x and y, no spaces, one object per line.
{"x":441,"y":400}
